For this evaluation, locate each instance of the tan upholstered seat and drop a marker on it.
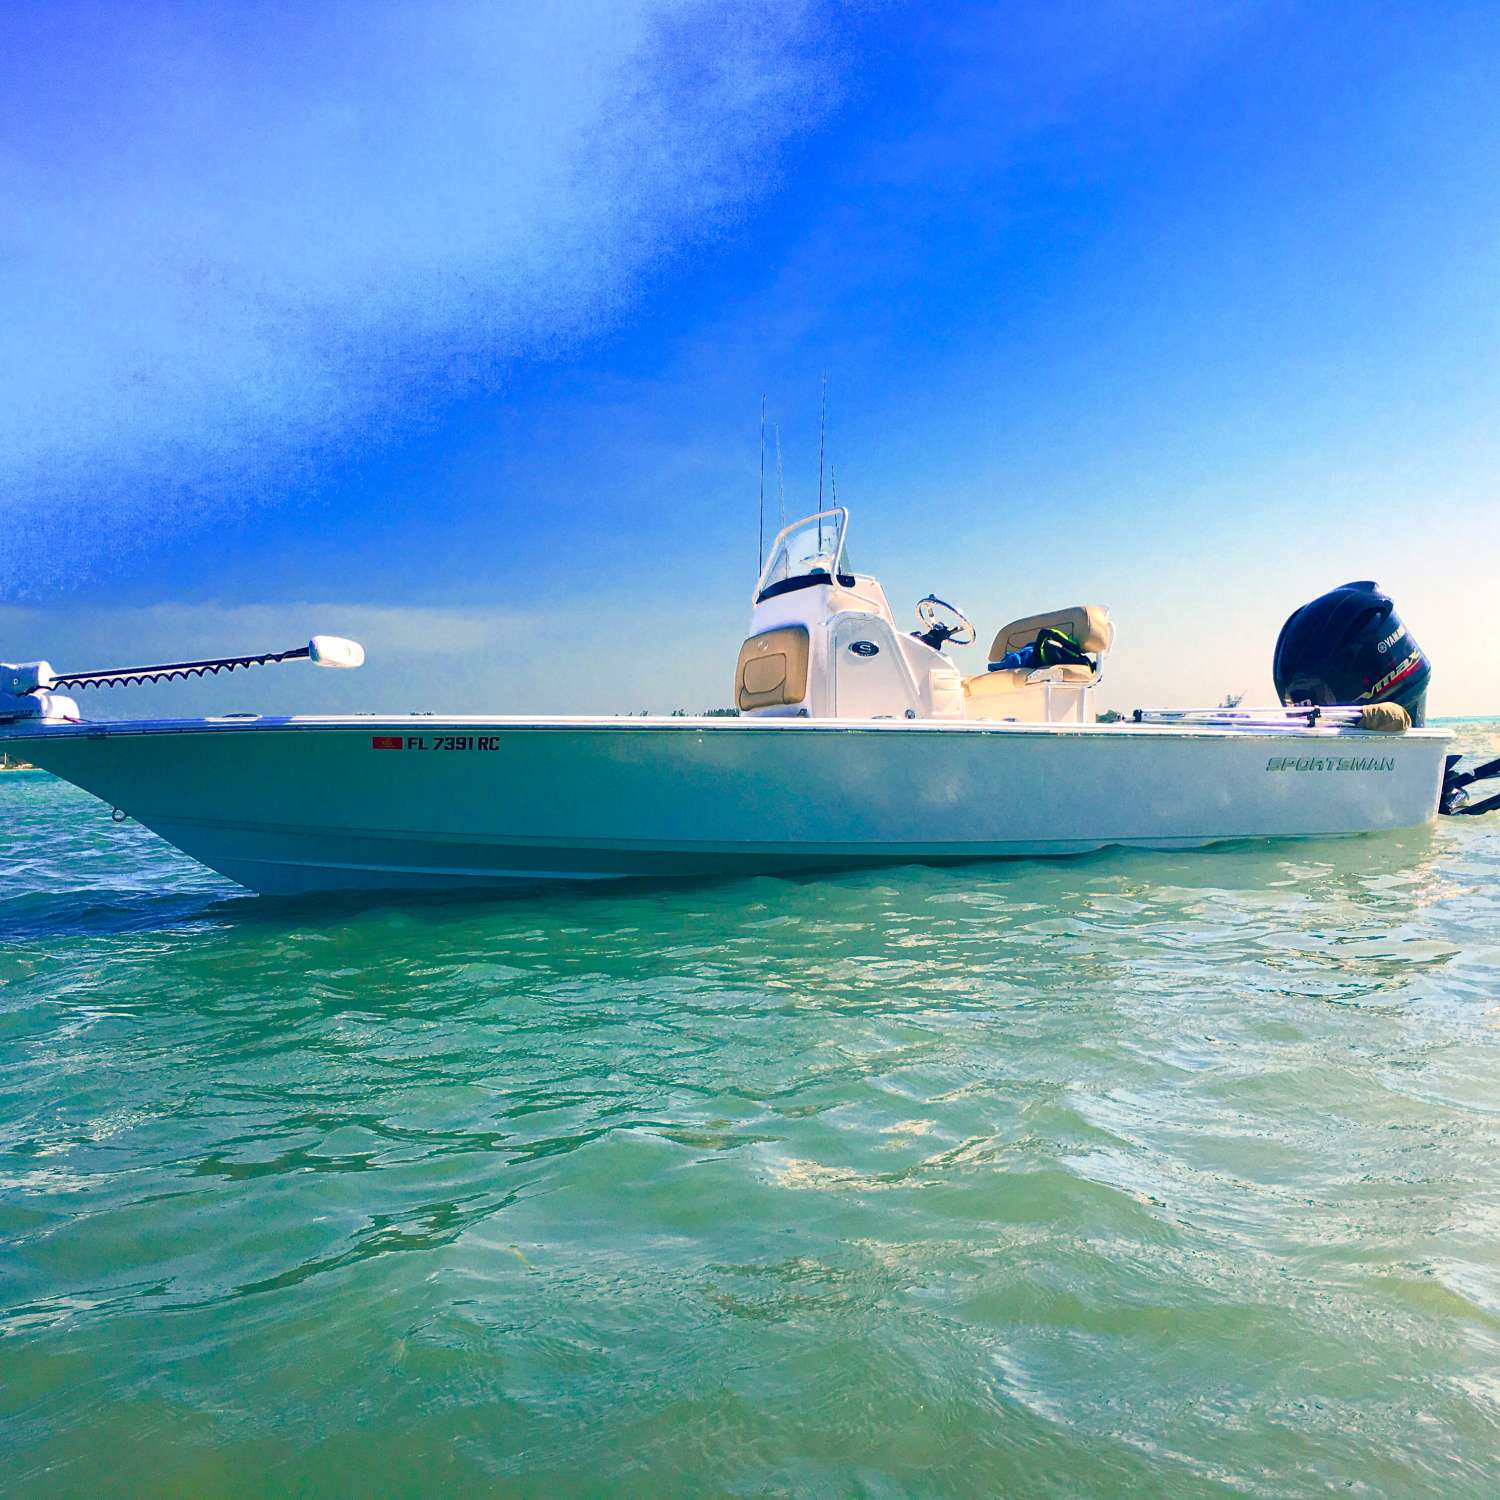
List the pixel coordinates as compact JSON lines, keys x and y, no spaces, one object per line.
{"x":772,"y":670}
{"x":1088,"y":624}
{"x":1014,"y":679}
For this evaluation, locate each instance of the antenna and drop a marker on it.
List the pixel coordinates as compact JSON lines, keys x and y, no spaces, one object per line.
{"x":760,"y":528}
{"x":833,"y":481}
{"x":822,"y":433}
{"x":780,"y":481}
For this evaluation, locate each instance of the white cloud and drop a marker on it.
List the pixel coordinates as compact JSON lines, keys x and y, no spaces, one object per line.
{"x":233,"y":242}
{"x":391,"y":630}
{"x":567,"y":657}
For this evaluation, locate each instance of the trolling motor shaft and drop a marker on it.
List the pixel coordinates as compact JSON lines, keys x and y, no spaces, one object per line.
{"x":28,"y":689}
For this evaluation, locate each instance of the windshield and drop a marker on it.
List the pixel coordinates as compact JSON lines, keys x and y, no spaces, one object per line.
{"x":807,"y":552}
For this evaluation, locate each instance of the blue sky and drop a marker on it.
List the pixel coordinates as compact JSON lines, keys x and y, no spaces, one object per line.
{"x":447,"y":326}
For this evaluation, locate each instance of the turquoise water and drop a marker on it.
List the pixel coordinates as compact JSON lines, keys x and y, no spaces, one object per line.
{"x":1129,"y":1175}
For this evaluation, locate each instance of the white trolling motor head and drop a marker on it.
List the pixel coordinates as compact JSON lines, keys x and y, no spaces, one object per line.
{"x":26,"y":687}
{"x":335,"y":651}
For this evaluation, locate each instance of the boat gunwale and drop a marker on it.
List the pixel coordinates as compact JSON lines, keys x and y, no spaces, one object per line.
{"x":33,"y":731}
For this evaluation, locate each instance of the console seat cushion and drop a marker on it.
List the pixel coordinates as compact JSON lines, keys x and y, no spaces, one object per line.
{"x":1088,"y":624}
{"x":772,"y":669}
{"x":1015,"y":679}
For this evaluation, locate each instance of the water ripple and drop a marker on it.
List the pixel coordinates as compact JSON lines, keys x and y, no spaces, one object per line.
{"x":1133,"y":1174}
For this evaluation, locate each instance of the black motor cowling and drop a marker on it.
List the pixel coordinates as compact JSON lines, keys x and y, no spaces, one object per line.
{"x":1350,"y":646}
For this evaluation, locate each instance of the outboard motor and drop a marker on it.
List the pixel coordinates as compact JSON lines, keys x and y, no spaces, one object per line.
{"x":1351,"y":647}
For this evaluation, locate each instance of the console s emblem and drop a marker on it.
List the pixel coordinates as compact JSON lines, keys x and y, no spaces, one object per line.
{"x":864,"y":648}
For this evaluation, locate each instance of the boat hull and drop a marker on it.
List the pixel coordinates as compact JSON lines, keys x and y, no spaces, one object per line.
{"x":293,"y":806}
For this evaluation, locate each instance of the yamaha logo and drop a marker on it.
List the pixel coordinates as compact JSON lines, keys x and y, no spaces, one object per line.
{"x":864,"y":648}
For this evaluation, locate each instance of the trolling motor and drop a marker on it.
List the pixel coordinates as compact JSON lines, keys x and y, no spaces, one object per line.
{"x":27,"y":688}
{"x":1349,"y":646}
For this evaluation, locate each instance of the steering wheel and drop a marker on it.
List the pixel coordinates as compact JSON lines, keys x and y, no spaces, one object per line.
{"x":939,"y":632}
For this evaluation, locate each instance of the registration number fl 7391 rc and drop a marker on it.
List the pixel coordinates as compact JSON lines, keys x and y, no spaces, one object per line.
{"x":435,"y":742}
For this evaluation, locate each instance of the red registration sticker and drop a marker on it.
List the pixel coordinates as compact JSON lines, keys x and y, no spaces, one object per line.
{"x":387,"y":742}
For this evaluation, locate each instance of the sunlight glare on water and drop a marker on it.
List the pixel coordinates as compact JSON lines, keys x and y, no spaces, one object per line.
{"x":1128,"y":1175}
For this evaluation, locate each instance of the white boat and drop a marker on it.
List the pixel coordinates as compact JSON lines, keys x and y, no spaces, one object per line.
{"x":856,"y":743}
